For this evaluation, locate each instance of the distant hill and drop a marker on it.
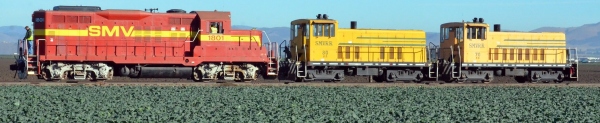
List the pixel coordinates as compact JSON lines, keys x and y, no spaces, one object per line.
{"x":11,"y":33}
{"x":585,"y":36}
{"x":276,"y":34}
{"x":8,"y":38}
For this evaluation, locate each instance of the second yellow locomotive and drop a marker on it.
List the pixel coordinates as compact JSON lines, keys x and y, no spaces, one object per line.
{"x":469,"y":51}
{"x":320,"y":50}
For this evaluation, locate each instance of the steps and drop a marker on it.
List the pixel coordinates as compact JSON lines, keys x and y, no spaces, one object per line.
{"x":299,"y":71}
{"x":273,"y":67}
{"x":32,"y":64}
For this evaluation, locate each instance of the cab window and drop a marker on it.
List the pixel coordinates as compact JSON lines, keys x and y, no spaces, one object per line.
{"x":446,"y":33}
{"x":305,"y":30}
{"x":458,"y":33}
{"x":296,"y":28}
{"x":317,"y":30}
{"x":215,"y":27}
{"x":324,"y":30}
{"x":474,"y":32}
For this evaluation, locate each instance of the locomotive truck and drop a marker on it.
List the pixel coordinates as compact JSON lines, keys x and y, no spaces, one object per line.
{"x":88,"y":43}
{"x":468,"y":51}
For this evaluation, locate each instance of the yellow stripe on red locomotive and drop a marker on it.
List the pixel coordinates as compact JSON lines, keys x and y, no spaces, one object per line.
{"x":123,"y":31}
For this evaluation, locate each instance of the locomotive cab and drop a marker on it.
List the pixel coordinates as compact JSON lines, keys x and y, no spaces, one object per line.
{"x":318,"y":33}
{"x":463,"y":36}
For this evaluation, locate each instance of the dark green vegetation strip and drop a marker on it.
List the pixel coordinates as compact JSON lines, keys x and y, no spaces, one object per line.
{"x":298,"y":104}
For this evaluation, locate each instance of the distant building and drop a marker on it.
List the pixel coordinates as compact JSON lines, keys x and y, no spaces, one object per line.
{"x":589,"y":60}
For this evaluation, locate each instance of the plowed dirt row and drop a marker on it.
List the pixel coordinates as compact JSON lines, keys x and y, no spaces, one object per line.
{"x":589,"y":73}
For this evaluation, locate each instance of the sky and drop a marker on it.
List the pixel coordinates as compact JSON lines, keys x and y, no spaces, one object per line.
{"x":520,"y":15}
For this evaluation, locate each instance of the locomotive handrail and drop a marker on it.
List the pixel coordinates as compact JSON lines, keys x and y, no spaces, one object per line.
{"x":279,"y":50}
{"x":268,"y":39}
{"x":459,"y":56}
{"x":305,"y":57}
{"x":297,"y":57}
{"x":37,"y":53}
{"x":195,"y":36}
{"x":25,"y":50}
{"x":19,"y":50}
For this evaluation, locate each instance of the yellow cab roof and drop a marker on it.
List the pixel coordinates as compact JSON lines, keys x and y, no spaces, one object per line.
{"x":298,"y":21}
{"x":462,"y":24}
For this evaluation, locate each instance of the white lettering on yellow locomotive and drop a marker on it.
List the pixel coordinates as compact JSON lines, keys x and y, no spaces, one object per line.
{"x":108,"y":31}
{"x":476,"y":45}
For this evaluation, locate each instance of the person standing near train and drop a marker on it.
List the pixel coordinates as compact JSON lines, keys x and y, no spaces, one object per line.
{"x":29,"y":38}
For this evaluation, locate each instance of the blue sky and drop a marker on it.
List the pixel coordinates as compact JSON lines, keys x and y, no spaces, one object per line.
{"x":522,"y":15}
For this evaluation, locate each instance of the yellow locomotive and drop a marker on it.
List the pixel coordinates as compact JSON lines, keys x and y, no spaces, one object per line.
{"x":320,"y":50}
{"x":470,"y":52}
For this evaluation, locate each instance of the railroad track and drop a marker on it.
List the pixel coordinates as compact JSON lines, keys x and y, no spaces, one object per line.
{"x":320,"y":84}
{"x":349,"y":81}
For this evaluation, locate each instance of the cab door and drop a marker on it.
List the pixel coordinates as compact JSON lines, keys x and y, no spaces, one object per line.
{"x":297,"y":39}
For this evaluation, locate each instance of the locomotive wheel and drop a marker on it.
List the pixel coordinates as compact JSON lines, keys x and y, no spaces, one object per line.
{"x":240,"y":75}
{"x":197,"y":76}
{"x":46,"y":75}
{"x":256,"y":77}
{"x":489,"y":78}
{"x":124,"y":71}
{"x":110,"y":74}
{"x":91,"y":76}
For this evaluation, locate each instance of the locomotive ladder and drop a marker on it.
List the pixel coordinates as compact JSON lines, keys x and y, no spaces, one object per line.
{"x":272,"y":55}
{"x":299,"y":65}
{"x":433,"y":59}
{"x":573,"y":60}
{"x":453,"y":67}
{"x":272,"y":48}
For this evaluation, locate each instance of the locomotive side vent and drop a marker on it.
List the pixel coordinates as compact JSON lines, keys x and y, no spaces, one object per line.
{"x":77,"y":8}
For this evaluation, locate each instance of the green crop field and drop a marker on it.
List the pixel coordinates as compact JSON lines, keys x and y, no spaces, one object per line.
{"x":7,"y":57}
{"x":298,"y":104}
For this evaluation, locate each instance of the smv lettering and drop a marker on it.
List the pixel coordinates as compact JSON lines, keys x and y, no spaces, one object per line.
{"x":108,"y":31}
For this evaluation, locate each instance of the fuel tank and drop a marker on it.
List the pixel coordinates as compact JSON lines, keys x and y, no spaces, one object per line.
{"x":165,"y":72}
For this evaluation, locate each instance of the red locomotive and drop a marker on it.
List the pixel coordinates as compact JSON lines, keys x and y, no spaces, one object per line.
{"x":86,"y":42}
